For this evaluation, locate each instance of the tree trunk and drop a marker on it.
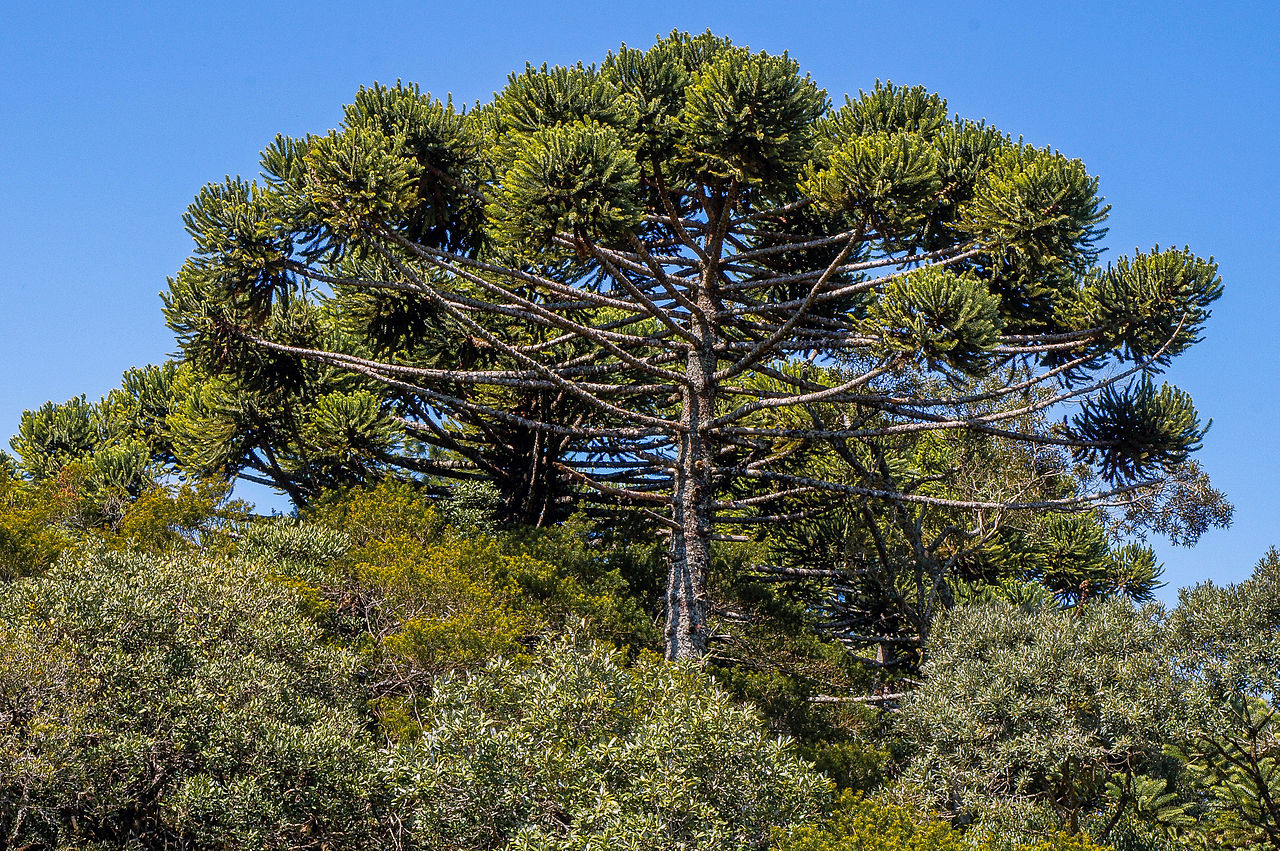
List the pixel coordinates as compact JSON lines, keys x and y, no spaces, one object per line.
{"x":689,"y":559}
{"x":692,"y":496}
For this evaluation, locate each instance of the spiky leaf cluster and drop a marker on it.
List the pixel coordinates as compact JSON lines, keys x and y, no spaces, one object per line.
{"x":944,"y":319}
{"x":1137,"y":429}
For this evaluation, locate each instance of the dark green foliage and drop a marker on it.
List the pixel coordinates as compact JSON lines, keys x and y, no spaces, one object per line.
{"x":1137,"y":430}
{"x":1070,"y":555}
{"x":772,"y":650}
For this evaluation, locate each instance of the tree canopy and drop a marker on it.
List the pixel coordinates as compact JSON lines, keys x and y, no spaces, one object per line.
{"x":684,"y":285}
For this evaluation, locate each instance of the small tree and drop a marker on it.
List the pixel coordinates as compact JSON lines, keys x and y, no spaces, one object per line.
{"x":1036,"y":713}
{"x":1226,"y":641}
{"x":665,"y":281}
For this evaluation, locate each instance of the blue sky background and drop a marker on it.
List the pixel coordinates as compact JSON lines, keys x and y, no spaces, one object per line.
{"x":114,"y":115}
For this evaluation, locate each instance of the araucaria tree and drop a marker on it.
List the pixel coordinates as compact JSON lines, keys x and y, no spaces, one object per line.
{"x":685,"y":284}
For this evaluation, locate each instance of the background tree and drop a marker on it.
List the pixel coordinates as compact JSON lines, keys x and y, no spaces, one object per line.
{"x":881,"y":571}
{"x":1035,"y":718}
{"x":648,"y":268}
{"x":1226,"y":641}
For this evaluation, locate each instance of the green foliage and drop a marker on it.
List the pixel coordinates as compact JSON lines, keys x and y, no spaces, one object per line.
{"x":53,"y":434}
{"x":577,"y":178}
{"x":947,"y":321}
{"x":358,"y":181}
{"x":889,"y":109}
{"x":349,"y":431}
{"x":580,"y":751}
{"x":41,"y":520}
{"x":655,"y":81}
{"x":32,"y":534}
{"x":541,"y":98}
{"x":119,"y":443}
{"x":176,"y":702}
{"x":1066,"y":710}
{"x":428,"y":132}
{"x":1070,"y":555}
{"x":856,"y":824}
{"x":1155,"y":305}
{"x":1040,"y":208}
{"x":1227,"y":642}
{"x":772,"y":651}
{"x":887,"y":180}
{"x":1137,"y":430}
{"x":418,"y":596}
{"x":489,"y":302}
{"x":477,"y":255}
{"x":748,"y":118}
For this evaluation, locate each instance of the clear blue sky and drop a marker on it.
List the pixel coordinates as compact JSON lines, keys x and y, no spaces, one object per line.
{"x":114,"y":114}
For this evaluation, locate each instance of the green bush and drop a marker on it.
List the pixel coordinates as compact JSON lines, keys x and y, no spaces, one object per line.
{"x":418,"y":595}
{"x":177,"y":702}
{"x":1043,"y":719}
{"x":855,"y":824}
{"x":575,"y":750}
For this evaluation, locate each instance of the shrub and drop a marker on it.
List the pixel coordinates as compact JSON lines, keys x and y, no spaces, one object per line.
{"x":418,"y":596}
{"x":578,"y":751}
{"x":855,"y":824}
{"x":176,"y":702}
{"x":1036,"y":711}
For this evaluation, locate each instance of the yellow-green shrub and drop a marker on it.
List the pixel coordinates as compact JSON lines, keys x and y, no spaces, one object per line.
{"x":421,"y":597}
{"x":857,"y":824}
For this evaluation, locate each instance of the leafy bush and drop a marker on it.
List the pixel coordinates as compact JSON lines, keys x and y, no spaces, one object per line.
{"x":31,"y":534}
{"x":417,"y":596}
{"x":39,"y":520}
{"x":855,"y":824}
{"x":578,"y":751}
{"x":178,"y":702}
{"x":1049,"y":715}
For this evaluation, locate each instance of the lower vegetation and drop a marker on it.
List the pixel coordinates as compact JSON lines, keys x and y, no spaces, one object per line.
{"x":393,"y":670}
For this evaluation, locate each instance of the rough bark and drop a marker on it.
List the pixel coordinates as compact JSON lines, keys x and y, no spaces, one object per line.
{"x":693,"y":492}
